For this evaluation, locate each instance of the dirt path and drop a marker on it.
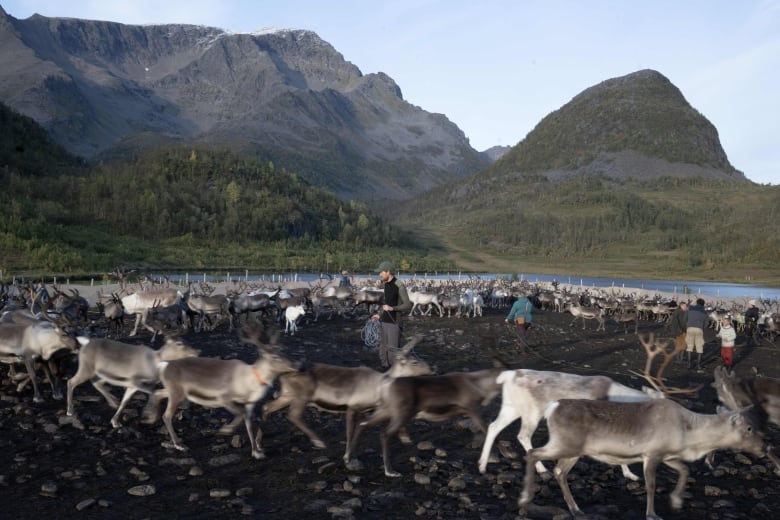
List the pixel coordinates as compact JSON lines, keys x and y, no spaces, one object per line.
{"x":57,"y":466}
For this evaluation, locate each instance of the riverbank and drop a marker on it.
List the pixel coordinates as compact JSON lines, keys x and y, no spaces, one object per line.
{"x":92,"y":292}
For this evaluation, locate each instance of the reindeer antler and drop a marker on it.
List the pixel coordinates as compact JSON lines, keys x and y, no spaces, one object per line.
{"x":653,"y":348}
{"x":253,"y":332}
{"x":406,"y":349}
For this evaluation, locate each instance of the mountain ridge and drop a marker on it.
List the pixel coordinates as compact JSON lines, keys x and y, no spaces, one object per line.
{"x":282,"y":95}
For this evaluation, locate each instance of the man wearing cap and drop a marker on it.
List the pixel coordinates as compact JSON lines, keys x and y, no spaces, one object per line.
{"x":396,"y":302}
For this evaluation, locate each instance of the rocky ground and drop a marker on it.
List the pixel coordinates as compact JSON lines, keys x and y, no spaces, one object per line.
{"x":59,"y":467}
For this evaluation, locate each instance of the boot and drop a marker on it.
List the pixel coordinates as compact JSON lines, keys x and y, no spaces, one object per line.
{"x":688,"y":355}
{"x":698,"y":362}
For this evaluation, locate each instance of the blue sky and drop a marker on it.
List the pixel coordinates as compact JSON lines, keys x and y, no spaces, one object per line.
{"x":496,"y":68}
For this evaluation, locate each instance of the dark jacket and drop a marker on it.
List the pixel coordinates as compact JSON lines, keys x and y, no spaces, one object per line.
{"x":697,"y":316}
{"x":679,"y":322}
{"x":397,"y":297}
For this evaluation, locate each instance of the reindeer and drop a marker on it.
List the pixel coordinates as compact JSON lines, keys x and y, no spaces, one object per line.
{"x":256,"y":301}
{"x":218,"y":383}
{"x":208,"y":306}
{"x":73,"y":308}
{"x":334,"y":297}
{"x":740,"y":393}
{"x":113,"y":311}
{"x":429,"y":300}
{"x":133,"y":367}
{"x":32,"y":341}
{"x":368,"y":297}
{"x":585,"y":313}
{"x":652,"y":432}
{"x":348,"y":390}
{"x":429,"y":397}
{"x":450,"y":302}
{"x":291,"y":315}
{"x":140,"y":303}
{"x":525,"y":394}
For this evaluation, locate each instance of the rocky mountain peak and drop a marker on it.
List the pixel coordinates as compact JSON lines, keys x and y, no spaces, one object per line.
{"x":284,"y":94}
{"x":637,"y":125}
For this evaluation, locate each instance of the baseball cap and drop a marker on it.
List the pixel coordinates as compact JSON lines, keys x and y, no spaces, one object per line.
{"x":385,"y":266}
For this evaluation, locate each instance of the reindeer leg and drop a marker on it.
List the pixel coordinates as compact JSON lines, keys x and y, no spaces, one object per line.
{"x":255,"y":441}
{"x":30,"y":365}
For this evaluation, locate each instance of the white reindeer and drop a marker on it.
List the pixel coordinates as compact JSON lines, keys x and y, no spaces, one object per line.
{"x":525,"y":394}
{"x":291,"y":315}
{"x":419,"y":299}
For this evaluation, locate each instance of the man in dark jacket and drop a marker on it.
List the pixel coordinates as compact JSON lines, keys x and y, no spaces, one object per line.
{"x":694,"y":333}
{"x":396,"y":302}
{"x":751,"y":320}
{"x":678,"y":324}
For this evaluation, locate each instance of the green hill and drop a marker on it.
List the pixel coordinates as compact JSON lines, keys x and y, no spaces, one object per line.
{"x":625,"y":180}
{"x":177,"y":207}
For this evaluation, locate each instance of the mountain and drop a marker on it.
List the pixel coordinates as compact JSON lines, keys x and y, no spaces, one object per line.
{"x":494,"y":153}
{"x":626,"y":178}
{"x":104,"y":89}
{"x":638,"y":126}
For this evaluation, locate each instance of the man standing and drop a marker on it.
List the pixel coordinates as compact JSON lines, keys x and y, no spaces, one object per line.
{"x":396,"y":302}
{"x":751,"y":321}
{"x":678,"y":324}
{"x":694,"y":334}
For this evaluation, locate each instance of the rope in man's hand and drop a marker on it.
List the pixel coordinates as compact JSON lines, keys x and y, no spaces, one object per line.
{"x":371,"y":333}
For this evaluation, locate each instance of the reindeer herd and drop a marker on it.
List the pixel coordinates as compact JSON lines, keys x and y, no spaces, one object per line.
{"x":591,"y":416}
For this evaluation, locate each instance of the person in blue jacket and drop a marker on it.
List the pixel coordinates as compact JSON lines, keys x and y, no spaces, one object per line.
{"x":521,"y":308}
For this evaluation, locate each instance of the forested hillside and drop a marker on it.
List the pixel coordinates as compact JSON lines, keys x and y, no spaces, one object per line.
{"x":177,"y":207}
{"x":667,"y":228}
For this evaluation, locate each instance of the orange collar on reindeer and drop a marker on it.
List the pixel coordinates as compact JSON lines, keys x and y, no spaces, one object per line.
{"x":259,"y":378}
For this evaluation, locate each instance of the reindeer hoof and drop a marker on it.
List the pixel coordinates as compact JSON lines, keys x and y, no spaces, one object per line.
{"x":353,"y":465}
{"x":258,"y":454}
{"x":171,"y":445}
{"x":392,"y":473}
{"x":318,"y":444}
{"x":37,"y":399}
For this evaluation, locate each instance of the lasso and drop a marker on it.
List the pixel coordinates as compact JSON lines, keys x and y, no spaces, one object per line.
{"x":371,"y":333}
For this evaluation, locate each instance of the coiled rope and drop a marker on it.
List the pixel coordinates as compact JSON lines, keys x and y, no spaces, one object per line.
{"x":371,"y":333}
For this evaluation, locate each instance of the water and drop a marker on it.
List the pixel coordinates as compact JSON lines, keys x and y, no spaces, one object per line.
{"x":705,"y":289}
